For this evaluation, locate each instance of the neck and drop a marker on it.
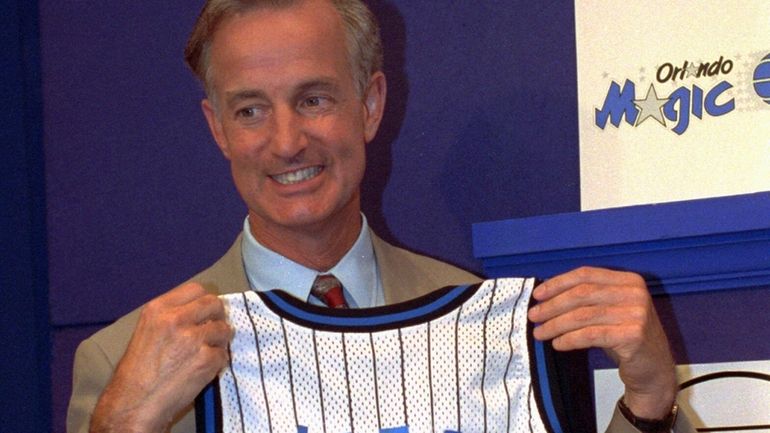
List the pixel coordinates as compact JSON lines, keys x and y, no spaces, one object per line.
{"x":319,"y":247}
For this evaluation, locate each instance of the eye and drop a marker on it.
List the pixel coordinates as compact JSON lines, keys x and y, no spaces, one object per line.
{"x":251,"y":114}
{"x":316,"y":102}
{"x":248,"y":112}
{"x":313,"y":101}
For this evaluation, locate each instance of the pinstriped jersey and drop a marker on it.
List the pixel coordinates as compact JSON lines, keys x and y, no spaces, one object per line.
{"x":460,"y":359}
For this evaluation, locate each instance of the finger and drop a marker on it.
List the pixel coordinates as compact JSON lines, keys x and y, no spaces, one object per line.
{"x":584,"y":295}
{"x":594,"y":336}
{"x":585,"y":317}
{"x":202,"y":309}
{"x":584,"y":275}
{"x":181,"y":295}
{"x":581,"y":295}
{"x":160,"y":322}
{"x":606,"y":337}
{"x":217,"y":333}
{"x":213,"y":359}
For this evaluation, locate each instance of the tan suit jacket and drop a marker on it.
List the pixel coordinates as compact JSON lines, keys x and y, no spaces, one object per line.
{"x":405,"y":275}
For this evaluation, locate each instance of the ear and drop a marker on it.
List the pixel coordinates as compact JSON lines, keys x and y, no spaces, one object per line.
{"x":374,"y":104}
{"x":215,"y":126}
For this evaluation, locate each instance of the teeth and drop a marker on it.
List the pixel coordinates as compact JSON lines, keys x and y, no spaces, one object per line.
{"x":297,"y":176}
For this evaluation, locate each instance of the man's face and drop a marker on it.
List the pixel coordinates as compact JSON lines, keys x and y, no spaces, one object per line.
{"x":289,"y":118}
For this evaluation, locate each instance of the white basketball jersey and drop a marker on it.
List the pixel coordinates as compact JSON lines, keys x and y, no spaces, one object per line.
{"x":460,"y":359}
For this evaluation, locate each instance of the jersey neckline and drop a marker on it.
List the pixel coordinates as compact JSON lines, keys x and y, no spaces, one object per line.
{"x":415,"y":311}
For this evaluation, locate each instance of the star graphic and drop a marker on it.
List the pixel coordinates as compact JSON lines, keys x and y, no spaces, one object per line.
{"x":650,"y":106}
{"x":692,"y":70}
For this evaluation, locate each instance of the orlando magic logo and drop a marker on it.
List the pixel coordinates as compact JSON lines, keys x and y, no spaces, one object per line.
{"x":717,"y":89}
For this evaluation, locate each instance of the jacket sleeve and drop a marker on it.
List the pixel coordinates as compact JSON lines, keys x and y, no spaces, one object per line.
{"x":91,"y":373}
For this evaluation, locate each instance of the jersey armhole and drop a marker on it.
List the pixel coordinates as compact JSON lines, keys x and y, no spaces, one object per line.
{"x":547,"y":381}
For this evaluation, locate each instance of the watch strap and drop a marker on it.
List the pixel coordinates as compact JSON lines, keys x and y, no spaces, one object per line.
{"x":646,"y":425}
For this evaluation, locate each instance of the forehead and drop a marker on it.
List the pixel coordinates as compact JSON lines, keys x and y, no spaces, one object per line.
{"x":308,"y":36}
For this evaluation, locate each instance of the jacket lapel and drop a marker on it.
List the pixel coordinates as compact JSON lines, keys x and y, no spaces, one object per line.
{"x":400,"y":279}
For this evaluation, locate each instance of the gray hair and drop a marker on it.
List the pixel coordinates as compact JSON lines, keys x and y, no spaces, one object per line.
{"x":362,"y":35}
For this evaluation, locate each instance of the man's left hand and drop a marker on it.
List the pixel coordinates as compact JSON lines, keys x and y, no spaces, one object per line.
{"x":592,"y":307}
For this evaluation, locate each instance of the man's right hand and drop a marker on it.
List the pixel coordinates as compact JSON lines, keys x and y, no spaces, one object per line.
{"x":178,"y":346}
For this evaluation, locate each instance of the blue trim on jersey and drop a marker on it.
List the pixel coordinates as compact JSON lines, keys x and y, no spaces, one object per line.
{"x":387,"y":318}
{"x":402,"y":429}
{"x":545,"y":389}
{"x":208,"y":410}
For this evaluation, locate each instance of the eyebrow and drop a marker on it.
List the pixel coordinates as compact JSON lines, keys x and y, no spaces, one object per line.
{"x":317,"y":84}
{"x":326,"y":84}
{"x":232,"y":98}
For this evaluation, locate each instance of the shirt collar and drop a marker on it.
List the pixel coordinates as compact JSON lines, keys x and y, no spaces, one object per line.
{"x":357,"y":270}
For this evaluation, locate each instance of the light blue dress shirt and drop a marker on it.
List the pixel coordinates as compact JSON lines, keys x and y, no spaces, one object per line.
{"x":357,"y":271}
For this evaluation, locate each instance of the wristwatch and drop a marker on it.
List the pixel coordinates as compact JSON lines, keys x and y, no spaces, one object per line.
{"x":646,"y":425}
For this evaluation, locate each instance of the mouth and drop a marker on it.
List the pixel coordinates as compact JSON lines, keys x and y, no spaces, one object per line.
{"x":297,"y":176}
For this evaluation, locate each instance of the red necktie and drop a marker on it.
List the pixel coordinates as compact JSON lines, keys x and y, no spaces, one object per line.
{"x":328,"y":289}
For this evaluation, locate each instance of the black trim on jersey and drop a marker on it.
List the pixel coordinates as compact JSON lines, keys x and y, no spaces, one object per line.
{"x":547,"y":358}
{"x":534,"y":375}
{"x":412,"y":312}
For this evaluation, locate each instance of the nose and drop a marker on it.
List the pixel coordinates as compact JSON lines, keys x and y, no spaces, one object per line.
{"x":287,"y":140}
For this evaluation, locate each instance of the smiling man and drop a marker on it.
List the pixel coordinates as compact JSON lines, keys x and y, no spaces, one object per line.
{"x":289,"y":115}
{"x":295,"y":91}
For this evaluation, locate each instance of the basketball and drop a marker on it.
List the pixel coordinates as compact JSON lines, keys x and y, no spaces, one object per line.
{"x":762,"y":79}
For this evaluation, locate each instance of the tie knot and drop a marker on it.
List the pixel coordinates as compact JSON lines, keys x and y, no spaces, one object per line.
{"x":328,"y":289}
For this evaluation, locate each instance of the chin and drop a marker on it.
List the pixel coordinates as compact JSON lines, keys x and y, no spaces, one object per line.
{"x":303,"y":218}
